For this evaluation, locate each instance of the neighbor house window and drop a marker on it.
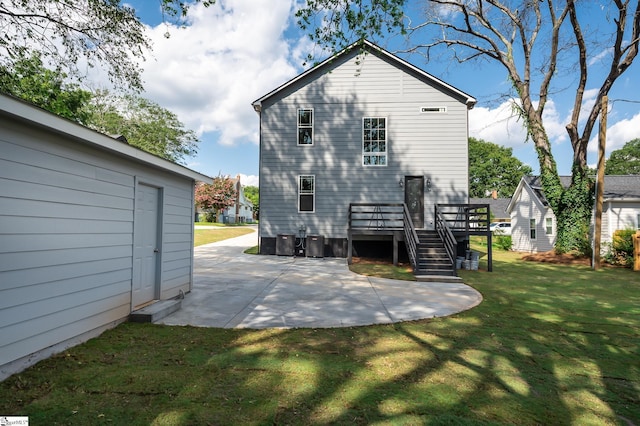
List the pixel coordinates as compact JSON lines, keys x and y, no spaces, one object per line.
{"x":306,"y":193}
{"x":638,"y":221}
{"x":548,"y":226}
{"x":532,"y":229}
{"x":305,"y":126}
{"x":374,"y":141}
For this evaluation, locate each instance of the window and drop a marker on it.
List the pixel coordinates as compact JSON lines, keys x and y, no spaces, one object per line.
{"x":638,"y":221}
{"x":305,"y":126}
{"x":532,"y":229}
{"x":548,"y":226}
{"x":374,"y":141}
{"x":306,"y":193}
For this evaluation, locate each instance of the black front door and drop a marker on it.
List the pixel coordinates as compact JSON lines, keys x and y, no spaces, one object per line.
{"x":414,"y":199}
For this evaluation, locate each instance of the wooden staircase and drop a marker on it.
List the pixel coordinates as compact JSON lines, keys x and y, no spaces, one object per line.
{"x":432,"y":261}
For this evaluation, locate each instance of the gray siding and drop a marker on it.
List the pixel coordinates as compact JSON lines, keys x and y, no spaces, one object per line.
{"x":433,"y":145}
{"x":66,"y":237}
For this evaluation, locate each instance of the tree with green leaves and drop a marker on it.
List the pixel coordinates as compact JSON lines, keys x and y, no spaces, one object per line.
{"x":535,"y":43}
{"x":28,"y":79}
{"x":253,"y":194}
{"x":493,"y":167}
{"x":624,"y":161}
{"x":105,"y":32}
{"x":144,"y":124}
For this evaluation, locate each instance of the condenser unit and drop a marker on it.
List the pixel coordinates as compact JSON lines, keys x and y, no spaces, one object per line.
{"x":285,"y":244}
{"x":315,"y":246}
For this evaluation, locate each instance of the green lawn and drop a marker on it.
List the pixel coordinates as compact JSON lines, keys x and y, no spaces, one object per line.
{"x":206,"y":236}
{"x":550,"y":345}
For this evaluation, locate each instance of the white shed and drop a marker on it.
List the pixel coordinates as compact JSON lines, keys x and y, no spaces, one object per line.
{"x":90,"y":229}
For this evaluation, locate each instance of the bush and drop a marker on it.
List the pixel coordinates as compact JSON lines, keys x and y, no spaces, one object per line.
{"x":503,"y":242}
{"x":210,"y":217}
{"x":620,"y":251}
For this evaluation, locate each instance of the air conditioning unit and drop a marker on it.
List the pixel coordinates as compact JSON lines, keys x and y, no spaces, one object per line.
{"x":285,"y":244}
{"x":315,"y":246}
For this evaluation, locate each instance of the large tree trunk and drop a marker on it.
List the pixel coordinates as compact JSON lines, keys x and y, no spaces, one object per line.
{"x":572,"y":206}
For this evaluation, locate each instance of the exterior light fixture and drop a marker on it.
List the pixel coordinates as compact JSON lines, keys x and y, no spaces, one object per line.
{"x":401,"y":183}
{"x":428,"y":185}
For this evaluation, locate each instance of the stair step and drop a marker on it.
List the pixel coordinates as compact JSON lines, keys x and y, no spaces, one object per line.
{"x":438,"y":278}
{"x":156,"y":311}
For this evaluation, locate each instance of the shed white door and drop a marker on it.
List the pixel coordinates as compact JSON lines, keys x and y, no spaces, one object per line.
{"x":146,"y":252}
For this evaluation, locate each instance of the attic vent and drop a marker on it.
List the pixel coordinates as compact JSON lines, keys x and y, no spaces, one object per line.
{"x":426,"y":110}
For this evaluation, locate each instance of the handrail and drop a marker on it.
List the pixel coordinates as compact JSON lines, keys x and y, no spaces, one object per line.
{"x":410,"y":237}
{"x":446,"y":235}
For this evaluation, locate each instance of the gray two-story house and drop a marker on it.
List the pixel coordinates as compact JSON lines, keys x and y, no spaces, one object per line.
{"x":346,"y":145}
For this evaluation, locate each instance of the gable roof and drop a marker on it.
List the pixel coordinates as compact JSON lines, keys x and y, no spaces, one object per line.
{"x":374,"y":49}
{"x":616,"y":188}
{"x":497,"y":206}
{"x":25,"y":112}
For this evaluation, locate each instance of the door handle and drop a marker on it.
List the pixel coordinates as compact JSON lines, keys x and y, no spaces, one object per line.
{"x":156,"y":251}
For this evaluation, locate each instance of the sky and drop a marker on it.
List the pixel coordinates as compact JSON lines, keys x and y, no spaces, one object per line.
{"x":234,"y":52}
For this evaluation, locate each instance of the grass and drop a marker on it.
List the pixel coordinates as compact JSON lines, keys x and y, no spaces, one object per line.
{"x":206,"y":236}
{"x":550,"y":344}
{"x":377,"y":269}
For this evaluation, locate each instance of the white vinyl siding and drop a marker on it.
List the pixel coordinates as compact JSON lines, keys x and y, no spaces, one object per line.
{"x":66,"y":237}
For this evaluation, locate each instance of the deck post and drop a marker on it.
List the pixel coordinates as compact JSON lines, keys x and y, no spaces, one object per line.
{"x":349,"y":247}
{"x":395,"y":249}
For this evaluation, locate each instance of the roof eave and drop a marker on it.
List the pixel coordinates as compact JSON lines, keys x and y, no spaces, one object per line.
{"x":26,"y":112}
{"x":469,"y":100}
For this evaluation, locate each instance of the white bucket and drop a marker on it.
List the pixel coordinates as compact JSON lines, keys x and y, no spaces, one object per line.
{"x":473,"y":265}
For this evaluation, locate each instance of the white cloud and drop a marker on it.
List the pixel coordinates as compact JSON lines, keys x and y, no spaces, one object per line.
{"x":618,"y":134}
{"x":229,"y":55}
{"x":249,"y":180}
{"x":499,"y":125}
{"x":502,"y":126}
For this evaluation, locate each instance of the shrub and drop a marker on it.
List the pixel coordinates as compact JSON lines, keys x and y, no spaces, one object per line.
{"x":620,"y":251}
{"x":503,"y":242}
{"x":210,"y":217}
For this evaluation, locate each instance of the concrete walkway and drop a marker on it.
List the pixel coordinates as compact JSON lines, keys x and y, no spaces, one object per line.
{"x":233,"y":289}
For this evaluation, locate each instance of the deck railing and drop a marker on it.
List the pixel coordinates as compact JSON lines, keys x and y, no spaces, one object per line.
{"x":467,"y":218}
{"x":365,"y":217}
{"x":410,"y":237}
{"x":449,"y":241}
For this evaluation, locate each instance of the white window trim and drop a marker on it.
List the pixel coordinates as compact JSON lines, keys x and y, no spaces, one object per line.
{"x":313,"y":193}
{"x":386,"y":143}
{"x":298,"y":126}
{"x":535,"y":228}
{"x":546,"y":227}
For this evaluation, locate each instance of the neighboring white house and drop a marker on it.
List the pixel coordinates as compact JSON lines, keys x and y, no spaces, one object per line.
{"x":533,"y":224}
{"x":364,"y":126}
{"x":242,"y":209}
{"x":90,"y":228}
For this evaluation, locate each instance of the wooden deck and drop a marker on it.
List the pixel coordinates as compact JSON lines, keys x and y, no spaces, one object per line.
{"x":453,"y":222}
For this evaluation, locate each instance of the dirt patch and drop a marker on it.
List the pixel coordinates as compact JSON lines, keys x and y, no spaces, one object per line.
{"x":377,"y":261}
{"x":555,"y":258}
